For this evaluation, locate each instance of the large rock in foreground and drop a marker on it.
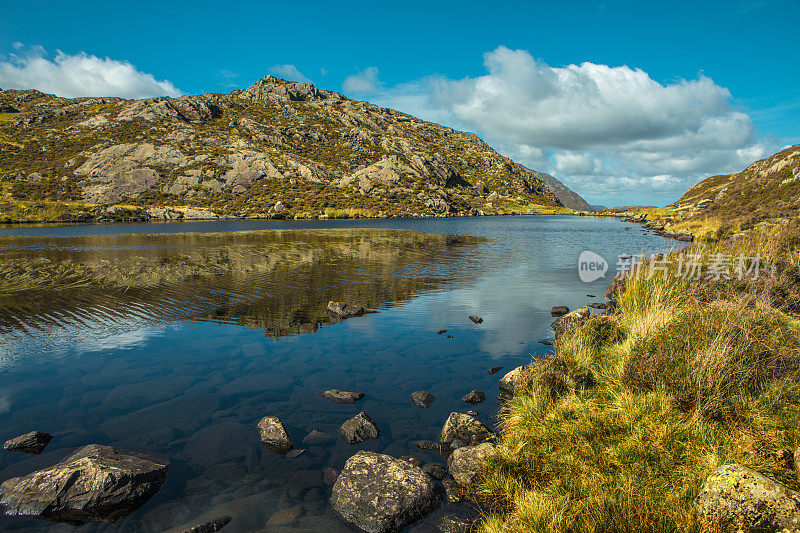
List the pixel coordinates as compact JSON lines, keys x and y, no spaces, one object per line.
{"x":96,"y":483}
{"x":736,"y":498}
{"x":466,"y":464}
{"x":379,"y":493}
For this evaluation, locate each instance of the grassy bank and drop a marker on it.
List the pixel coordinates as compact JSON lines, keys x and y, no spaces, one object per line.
{"x":618,"y":430}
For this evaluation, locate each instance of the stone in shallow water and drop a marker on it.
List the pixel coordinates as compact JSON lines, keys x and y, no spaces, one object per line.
{"x":341,"y":396}
{"x":427,"y":445}
{"x":212,"y":526}
{"x":736,"y":498}
{"x":379,"y":493}
{"x":462,"y":430}
{"x":274,"y":436}
{"x":329,"y":475}
{"x":96,"y":483}
{"x":474,"y":397}
{"x":318,"y":437}
{"x":436,"y":470}
{"x":345,"y":310}
{"x":559,"y":310}
{"x":473,"y":413}
{"x":422,"y":398}
{"x":495,"y":370}
{"x":476,"y":319}
{"x":34,"y":442}
{"x":359,"y":428}
{"x":467,"y":462}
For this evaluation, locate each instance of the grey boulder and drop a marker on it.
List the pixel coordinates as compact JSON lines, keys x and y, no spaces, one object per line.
{"x":274,"y":436}
{"x":474,"y":397}
{"x":467,"y":463}
{"x":359,"y":428}
{"x":379,"y":493}
{"x":508,"y":383}
{"x":463,"y":430}
{"x":422,"y":398}
{"x":96,"y":483}
{"x":736,"y":498}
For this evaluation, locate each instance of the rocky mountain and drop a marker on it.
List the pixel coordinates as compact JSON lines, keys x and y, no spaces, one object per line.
{"x":275,"y":149}
{"x":565,"y":195}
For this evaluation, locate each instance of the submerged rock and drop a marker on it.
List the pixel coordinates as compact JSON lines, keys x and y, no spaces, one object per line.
{"x":329,"y":475}
{"x":736,"y":498}
{"x":422,"y":398}
{"x":318,"y":437}
{"x":96,"y":483}
{"x":359,"y":428}
{"x":462,"y":430}
{"x":474,"y":397}
{"x":274,"y":436}
{"x":466,"y":463}
{"x":212,"y":526}
{"x":345,"y":310}
{"x":379,"y":493}
{"x":495,"y":370}
{"x":427,"y":445}
{"x":436,"y":470}
{"x":34,"y":442}
{"x":341,"y":396}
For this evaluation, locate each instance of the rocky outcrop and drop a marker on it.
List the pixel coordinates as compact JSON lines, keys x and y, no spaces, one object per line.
{"x":359,"y":428}
{"x":274,"y":436}
{"x":272,"y":88}
{"x":379,"y":493}
{"x":736,"y":498}
{"x":34,"y":443}
{"x":96,"y":483}
{"x":467,"y":463}
{"x":341,"y":396}
{"x":463,"y":430}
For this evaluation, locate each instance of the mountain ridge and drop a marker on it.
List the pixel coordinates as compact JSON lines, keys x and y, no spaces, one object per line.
{"x":275,"y":149}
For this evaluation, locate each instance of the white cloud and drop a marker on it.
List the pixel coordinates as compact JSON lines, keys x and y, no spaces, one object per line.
{"x":77,"y":75}
{"x":365,"y":82}
{"x":288,"y":72}
{"x":585,"y":123}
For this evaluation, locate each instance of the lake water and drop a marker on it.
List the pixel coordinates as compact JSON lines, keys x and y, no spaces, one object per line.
{"x":177,"y":338}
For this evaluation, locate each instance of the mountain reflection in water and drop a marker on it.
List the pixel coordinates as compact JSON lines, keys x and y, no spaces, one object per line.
{"x":278,"y":280}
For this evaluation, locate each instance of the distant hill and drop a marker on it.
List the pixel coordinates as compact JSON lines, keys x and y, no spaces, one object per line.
{"x":598,"y":207}
{"x":276,"y":149}
{"x":565,"y":195}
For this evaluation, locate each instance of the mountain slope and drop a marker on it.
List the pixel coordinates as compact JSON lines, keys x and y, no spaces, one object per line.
{"x":565,"y":195}
{"x":277,"y":148}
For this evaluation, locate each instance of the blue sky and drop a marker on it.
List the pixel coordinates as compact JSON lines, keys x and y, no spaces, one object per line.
{"x":708,"y":88}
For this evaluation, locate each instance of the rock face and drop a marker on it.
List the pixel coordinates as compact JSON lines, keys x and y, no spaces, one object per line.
{"x":736,"y":498}
{"x":96,"y":483}
{"x":359,"y":428}
{"x":474,"y":397}
{"x":508,"y":382}
{"x":274,"y":436}
{"x":422,"y":398}
{"x":211,"y":526}
{"x":466,"y":463}
{"x":34,"y":442}
{"x":562,"y":324}
{"x":341,"y":396}
{"x":379,"y":493}
{"x":345,"y":310}
{"x":462,"y":430}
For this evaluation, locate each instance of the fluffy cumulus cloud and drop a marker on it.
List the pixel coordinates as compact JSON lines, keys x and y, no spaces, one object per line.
{"x":78,"y":74}
{"x":364,"y":82}
{"x":288,"y":72}
{"x":610,"y":132}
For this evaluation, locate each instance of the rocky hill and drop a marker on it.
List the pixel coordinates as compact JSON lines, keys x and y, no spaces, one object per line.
{"x":565,"y":195}
{"x":275,"y":149}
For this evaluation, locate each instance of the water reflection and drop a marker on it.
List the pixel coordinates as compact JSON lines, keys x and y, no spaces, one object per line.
{"x":279,"y":281}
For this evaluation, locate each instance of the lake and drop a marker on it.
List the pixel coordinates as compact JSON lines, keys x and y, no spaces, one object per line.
{"x":177,"y":338}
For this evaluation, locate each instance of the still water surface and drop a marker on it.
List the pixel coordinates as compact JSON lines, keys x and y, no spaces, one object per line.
{"x":177,"y":338}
